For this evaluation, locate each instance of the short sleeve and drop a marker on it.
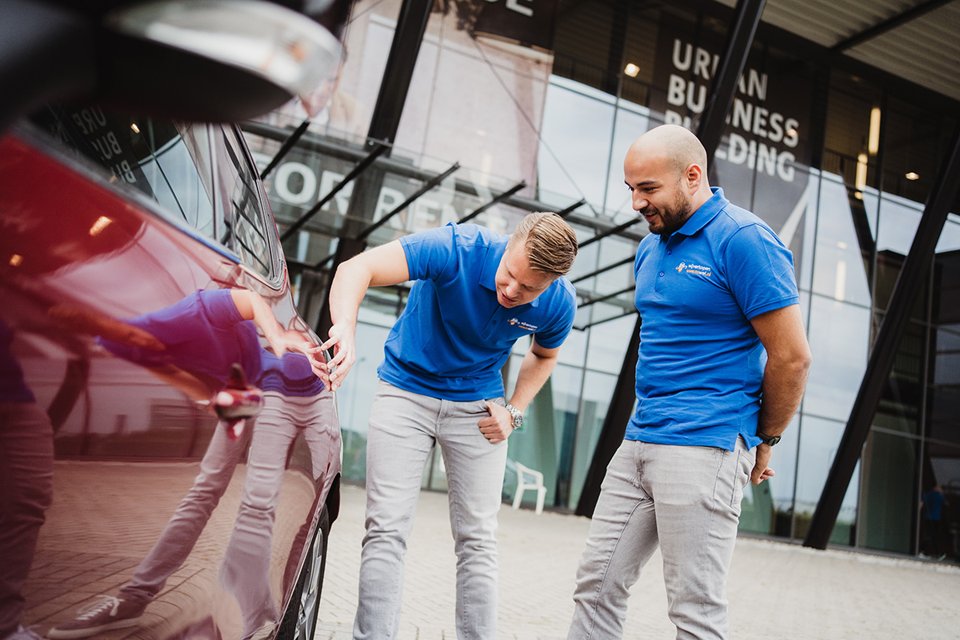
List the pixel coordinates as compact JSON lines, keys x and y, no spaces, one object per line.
{"x":760,"y":271}
{"x":557,"y":331}
{"x":431,"y":255}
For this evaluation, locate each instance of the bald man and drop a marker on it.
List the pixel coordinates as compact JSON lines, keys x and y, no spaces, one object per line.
{"x":722,"y":365}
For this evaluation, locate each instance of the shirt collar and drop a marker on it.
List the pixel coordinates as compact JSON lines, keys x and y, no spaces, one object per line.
{"x":707,"y":212}
{"x":488,"y":273}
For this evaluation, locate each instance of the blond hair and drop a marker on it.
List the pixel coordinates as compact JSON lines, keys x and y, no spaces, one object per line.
{"x":550,"y":242}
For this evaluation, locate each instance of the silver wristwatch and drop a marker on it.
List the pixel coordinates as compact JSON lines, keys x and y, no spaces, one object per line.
{"x":516,"y":415}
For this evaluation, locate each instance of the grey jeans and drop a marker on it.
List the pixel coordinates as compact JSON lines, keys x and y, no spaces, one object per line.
{"x":687,"y":500}
{"x":245,"y":567}
{"x":403,"y":429}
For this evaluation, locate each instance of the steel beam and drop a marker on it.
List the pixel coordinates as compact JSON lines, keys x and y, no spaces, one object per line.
{"x":889,"y":24}
{"x":427,"y":186}
{"x":285,"y":148}
{"x":498,"y":198}
{"x":604,"y":269}
{"x":378,"y":149}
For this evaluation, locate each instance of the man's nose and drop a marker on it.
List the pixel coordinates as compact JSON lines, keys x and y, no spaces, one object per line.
{"x":639,"y":202}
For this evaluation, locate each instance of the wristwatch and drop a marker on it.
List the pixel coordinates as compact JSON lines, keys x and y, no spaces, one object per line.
{"x":516,"y":415}
{"x":768,"y":440}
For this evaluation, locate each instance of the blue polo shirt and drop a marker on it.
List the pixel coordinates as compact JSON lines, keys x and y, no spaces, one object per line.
{"x":700,"y":368}
{"x":453,"y":337}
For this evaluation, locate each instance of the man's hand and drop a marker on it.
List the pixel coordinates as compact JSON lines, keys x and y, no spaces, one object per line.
{"x":283,"y":340}
{"x":498,"y":426}
{"x":761,"y":471}
{"x":343,"y":342}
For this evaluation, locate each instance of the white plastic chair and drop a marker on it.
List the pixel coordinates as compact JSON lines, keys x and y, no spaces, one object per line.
{"x":529,"y":479}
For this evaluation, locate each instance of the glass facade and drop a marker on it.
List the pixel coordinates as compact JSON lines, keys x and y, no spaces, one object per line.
{"x":838,"y":165}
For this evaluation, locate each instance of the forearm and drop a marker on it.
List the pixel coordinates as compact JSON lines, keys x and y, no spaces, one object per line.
{"x":783,"y":385}
{"x":534,"y":371}
{"x":349,"y":286}
{"x":252,"y":306}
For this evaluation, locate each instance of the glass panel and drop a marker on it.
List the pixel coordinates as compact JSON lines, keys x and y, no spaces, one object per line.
{"x":818,"y":447}
{"x":246,"y":231}
{"x":354,"y":399}
{"x":575,"y":143}
{"x":888,"y":498}
{"x":902,"y":396}
{"x":608,"y":345}
{"x":546,"y":442}
{"x":595,"y":402}
{"x":768,"y":507}
{"x":839,"y":339}
{"x":844,"y":243}
{"x":168,"y":162}
{"x":940,"y":513}
{"x":631,"y":122}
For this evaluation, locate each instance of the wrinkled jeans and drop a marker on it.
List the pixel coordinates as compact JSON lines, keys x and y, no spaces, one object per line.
{"x":687,"y":500}
{"x":403,"y":429}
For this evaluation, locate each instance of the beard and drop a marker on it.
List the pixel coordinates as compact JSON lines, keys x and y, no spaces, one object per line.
{"x":672,"y":217}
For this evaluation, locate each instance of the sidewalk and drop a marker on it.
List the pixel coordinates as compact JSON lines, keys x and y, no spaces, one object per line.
{"x":776,"y":590}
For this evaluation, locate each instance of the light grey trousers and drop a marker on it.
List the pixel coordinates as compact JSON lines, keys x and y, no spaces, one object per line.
{"x":246,"y":562}
{"x":687,"y":500}
{"x":403,"y":429}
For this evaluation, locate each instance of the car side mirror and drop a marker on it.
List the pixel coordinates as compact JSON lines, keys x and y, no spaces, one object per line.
{"x":195,"y":60}
{"x":216,"y":59}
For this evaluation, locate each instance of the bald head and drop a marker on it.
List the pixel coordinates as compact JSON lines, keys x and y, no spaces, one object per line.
{"x":671,"y":142}
{"x":666,"y":172}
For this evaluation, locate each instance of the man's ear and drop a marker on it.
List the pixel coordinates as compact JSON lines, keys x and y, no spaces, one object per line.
{"x":693,"y":176}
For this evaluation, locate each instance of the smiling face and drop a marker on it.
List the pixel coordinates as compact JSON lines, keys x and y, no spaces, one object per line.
{"x":659,"y":191}
{"x":517,"y":282}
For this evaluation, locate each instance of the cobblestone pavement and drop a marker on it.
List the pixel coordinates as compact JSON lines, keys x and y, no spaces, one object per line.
{"x":776,"y":590}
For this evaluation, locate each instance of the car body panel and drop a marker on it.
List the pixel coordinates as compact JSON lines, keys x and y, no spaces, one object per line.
{"x":89,"y":269}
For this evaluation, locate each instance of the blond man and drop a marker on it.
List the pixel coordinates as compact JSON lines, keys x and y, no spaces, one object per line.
{"x":476,"y":293}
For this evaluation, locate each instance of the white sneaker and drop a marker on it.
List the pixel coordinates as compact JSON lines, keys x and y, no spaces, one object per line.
{"x":104,"y":614}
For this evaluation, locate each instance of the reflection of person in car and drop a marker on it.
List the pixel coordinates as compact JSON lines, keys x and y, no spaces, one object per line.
{"x":26,"y":485}
{"x":476,"y":294}
{"x":197,"y":341}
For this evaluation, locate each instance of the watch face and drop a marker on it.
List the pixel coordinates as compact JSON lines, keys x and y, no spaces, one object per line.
{"x":770,"y":440}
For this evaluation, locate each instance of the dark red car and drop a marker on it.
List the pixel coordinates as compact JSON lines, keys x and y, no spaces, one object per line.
{"x":169,"y":458}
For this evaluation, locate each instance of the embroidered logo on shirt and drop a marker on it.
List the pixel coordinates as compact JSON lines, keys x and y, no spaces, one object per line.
{"x":517,"y":322}
{"x":695,"y":269}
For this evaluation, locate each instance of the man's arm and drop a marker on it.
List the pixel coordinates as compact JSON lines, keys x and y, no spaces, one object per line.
{"x":536,"y":367}
{"x":251,"y":306}
{"x":788,"y":360}
{"x":379,"y":267}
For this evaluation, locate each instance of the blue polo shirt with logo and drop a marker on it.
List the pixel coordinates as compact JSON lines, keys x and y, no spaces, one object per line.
{"x":700,"y":367}
{"x":453,"y":337}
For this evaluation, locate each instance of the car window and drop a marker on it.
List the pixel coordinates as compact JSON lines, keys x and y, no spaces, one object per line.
{"x":168,"y":162}
{"x":245,"y":223}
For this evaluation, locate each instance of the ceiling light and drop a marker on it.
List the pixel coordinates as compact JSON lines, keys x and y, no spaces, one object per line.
{"x":134,"y":127}
{"x":861,"y":179}
{"x":911,"y":175}
{"x":15,"y":260}
{"x":873,"y":139}
{"x":631,"y":70}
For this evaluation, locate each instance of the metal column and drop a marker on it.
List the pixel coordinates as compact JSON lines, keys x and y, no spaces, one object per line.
{"x":709,"y":130}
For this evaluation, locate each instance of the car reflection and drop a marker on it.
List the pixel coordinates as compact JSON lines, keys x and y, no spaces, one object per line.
{"x":193,"y":345}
